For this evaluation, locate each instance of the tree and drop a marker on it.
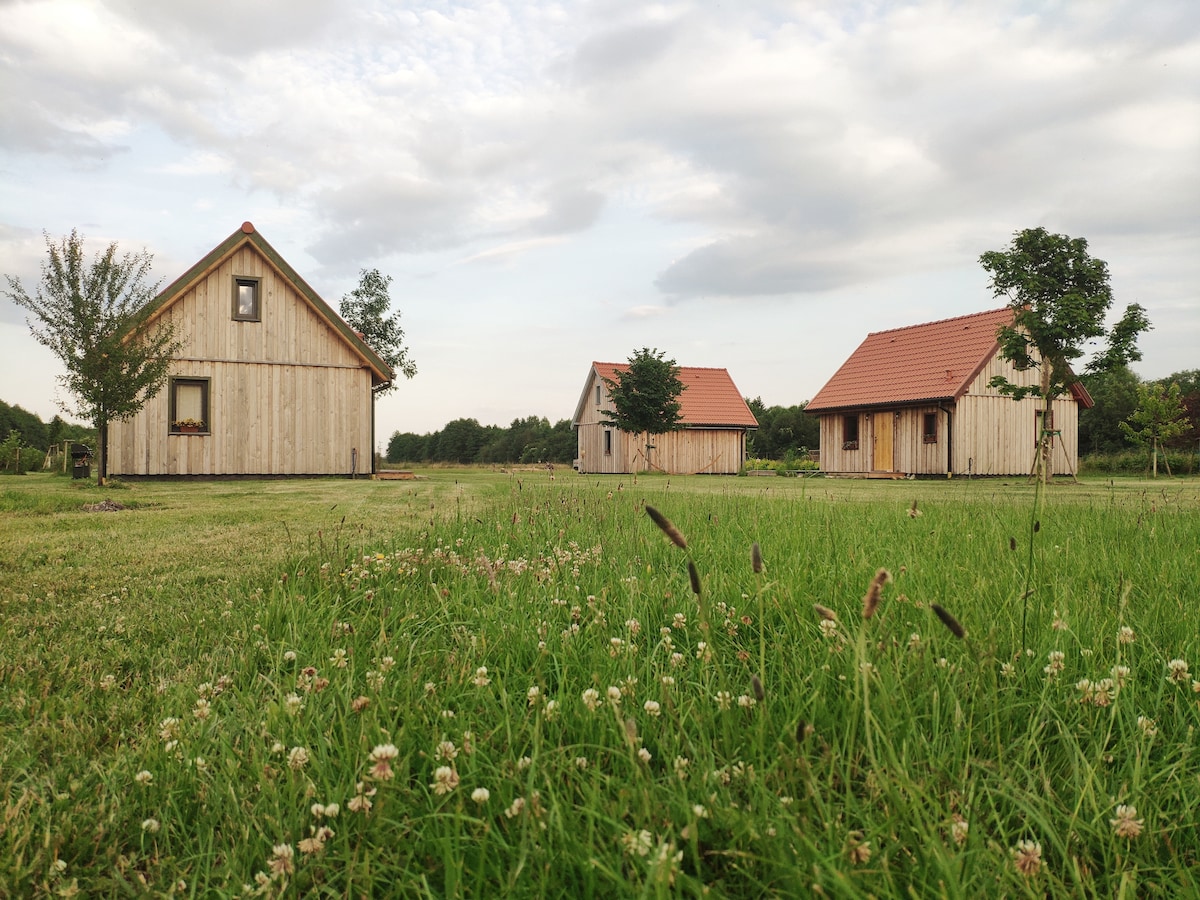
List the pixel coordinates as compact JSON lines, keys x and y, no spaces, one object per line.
{"x":93,"y":316}
{"x":1160,"y":416}
{"x":646,"y":396}
{"x":1059,"y":296}
{"x":365,"y":310}
{"x":1112,"y":385}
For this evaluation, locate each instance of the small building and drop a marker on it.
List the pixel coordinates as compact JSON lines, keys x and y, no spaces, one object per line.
{"x":268,"y":380}
{"x":918,"y":401}
{"x":714,"y":416}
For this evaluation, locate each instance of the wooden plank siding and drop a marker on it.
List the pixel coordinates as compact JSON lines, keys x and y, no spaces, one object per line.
{"x":287,"y":394}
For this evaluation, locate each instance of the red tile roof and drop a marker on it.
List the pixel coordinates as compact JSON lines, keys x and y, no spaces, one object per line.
{"x":934,"y":361}
{"x":710,"y":398}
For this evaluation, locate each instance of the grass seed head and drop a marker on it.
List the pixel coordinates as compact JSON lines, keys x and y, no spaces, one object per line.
{"x":949,"y":621}
{"x":667,"y":527}
{"x":694,"y":577}
{"x":756,"y":686}
{"x":825,"y":612}
{"x":756,"y":558}
{"x":875,"y":592}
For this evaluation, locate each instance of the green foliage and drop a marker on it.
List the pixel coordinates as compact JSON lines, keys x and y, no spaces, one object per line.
{"x":1159,"y":418}
{"x":365,"y":310}
{"x":1115,"y":392}
{"x":646,"y":395}
{"x":782,"y":430}
{"x":17,"y":457}
{"x":465,"y":441}
{"x":93,"y":317}
{"x":1122,"y":346}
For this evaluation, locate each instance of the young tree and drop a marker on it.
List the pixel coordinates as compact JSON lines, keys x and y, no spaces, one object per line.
{"x":93,"y":317}
{"x":365,"y":310}
{"x":1060,"y":296}
{"x":646,"y":396}
{"x":1159,"y":418}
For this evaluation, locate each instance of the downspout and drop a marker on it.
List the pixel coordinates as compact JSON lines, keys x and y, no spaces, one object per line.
{"x":949,"y":440}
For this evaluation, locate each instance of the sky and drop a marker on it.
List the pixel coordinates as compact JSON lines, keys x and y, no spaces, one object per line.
{"x":751,"y":185}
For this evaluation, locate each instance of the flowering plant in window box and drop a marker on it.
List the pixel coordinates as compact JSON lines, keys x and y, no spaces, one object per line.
{"x":850,"y":445}
{"x":188,"y":424}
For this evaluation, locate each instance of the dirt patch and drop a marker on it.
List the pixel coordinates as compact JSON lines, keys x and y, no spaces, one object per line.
{"x":104,"y":506}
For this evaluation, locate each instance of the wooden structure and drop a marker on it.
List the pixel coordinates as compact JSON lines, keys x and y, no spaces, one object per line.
{"x":917,"y":401}
{"x":712,"y":441}
{"x":269,"y":380}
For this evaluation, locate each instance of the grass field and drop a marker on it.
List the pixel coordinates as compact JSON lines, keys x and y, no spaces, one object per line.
{"x":516,"y":684}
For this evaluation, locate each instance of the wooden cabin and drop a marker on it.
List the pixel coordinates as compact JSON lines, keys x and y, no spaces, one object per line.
{"x":712,"y":442}
{"x":269,"y":380}
{"x":917,"y":401}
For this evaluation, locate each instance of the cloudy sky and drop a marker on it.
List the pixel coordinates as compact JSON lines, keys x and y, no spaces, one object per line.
{"x":752,"y":185}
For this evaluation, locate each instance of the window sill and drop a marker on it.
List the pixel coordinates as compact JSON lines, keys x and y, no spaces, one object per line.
{"x":850,"y":445}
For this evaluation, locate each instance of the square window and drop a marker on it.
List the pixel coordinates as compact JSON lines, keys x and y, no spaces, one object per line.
{"x":929,"y":428}
{"x":246,"y":305}
{"x":189,"y":405}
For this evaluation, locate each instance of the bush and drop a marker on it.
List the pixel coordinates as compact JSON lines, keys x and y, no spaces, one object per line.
{"x":1137,"y":462}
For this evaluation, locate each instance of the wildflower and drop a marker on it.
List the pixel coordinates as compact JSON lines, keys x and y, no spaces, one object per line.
{"x":700,"y":811}
{"x":292,"y":704}
{"x":515,"y":808}
{"x":329,"y":811}
{"x":297,"y":758}
{"x":614,"y":695}
{"x":581,"y":762}
{"x":290,"y":655}
{"x":338,"y":659}
{"x":380,"y":758}
{"x":361,"y":801}
{"x":446,"y":750}
{"x":644,"y":755}
{"x":375,"y":680}
{"x":703,"y":651}
{"x":481,"y":795}
{"x":638,"y":843}
{"x":1120,"y":675}
{"x":144,"y":778}
{"x":1055,"y":665}
{"x":745,"y":701}
{"x":914,"y":642}
{"x":959,"y":828}
{"x":1127,"y":824}
{"x":445,"y":779}
{"x":1177,"y":671}
{"x":724,"y":699}
{"x":591,"y":699}
{"x":829,"y":628}
{"x":676,"y":659}
{"x":679,"y":621}
{"x":385,"y":664}
{"x":533,"y":694}
{"x":281,"y":860}
{"x":668,"y":681}
{"x":1103,"y":692}
{"x":524,"y":763}
{"x":107,"y":682}
{"x":481,"y":677}
{"x":1059,"y":624}
{"x":151,"y":826}
{"x":168,"y":729}
{"x":681,"y":765}
{"x":1149,"y":726}
{"x":857,"y":850}
{"x":1125,"y":635}
{"x":202,"y":710}
{"x":200,"y":764}
{"x":1008,"y":670}
{"x":1027,"y":857}
{"x":359,"y":703}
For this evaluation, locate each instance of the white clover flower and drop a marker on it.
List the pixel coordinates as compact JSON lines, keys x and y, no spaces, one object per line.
{"x":652,"y":707}
{"x":144,"y":778}
{"x":481,"y":795}
{"x":591,"y":699}
{"x":297,"y":758}
{"x":481,"y":678}
{"x":151,"y":826}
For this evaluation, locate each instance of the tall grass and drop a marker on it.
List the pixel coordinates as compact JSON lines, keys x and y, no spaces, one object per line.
{"x":483,"y":685}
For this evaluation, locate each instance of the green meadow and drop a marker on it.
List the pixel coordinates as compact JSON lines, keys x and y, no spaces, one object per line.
{"x":516,"y":683}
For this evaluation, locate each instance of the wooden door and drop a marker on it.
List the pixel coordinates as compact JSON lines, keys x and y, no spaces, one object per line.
{"x":884,"y":426}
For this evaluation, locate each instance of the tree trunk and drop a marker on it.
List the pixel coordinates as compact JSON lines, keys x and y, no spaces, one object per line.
{"x":102,"y":453}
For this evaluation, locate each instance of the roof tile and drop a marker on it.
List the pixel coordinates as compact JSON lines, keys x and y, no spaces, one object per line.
{"x":710,"y":398}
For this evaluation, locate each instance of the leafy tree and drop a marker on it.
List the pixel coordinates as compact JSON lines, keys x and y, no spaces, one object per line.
{"x":646,"y":396}
{"x":1059,"y":295}
{"x":365,"y":310}
{"x":1115,"y":394}
{"x":1160,"y":417}
{"x":782,"y":430}
{"x":93,"y":316}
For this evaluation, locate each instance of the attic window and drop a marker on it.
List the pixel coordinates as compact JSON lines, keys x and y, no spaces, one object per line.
{"x":597,"y":395}
{"x":246,"y":301}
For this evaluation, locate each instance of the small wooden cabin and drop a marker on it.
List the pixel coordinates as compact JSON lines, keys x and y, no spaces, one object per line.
{"x":917,"y":401}
{"x":269,"y":380}
{"x":713,"y":440}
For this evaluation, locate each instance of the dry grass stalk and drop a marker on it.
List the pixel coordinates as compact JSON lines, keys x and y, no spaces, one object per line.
{"x":756,"y":686}
{"x":875,"y":592}
{"x":824,"y":612}
{"x":949,"y":621}
{"x":694,"y":577}
{"x":667,"y":527}
{"x":756,"y":558}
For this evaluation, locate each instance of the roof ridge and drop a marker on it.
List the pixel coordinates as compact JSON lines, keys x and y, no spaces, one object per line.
{"x":976,"y":315}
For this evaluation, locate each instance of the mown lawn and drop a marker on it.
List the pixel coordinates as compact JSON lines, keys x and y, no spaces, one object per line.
{"x":514,"y":683}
